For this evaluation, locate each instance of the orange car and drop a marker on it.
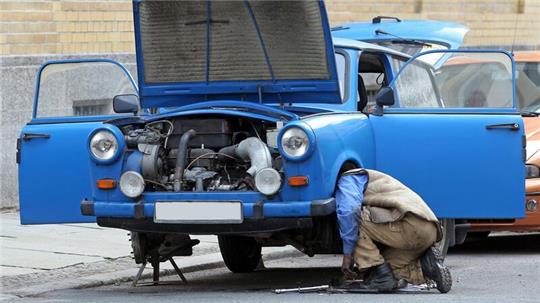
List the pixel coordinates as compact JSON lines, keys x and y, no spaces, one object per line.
{"x":528,"y":93}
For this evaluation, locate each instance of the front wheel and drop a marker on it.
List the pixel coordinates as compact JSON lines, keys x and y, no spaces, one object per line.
{"x":240,"y":254}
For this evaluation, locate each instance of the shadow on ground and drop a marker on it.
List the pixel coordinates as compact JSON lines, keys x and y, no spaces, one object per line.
{"x":500,"y":244}
{"x":224,"y":281}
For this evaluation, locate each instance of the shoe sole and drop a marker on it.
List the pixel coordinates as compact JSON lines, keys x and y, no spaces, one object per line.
{"x":433,"y":269}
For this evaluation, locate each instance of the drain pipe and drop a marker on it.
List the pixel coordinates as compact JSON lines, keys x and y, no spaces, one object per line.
{"x":181,"y":156}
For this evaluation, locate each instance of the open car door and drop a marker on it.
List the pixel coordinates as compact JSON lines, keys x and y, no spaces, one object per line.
{"x":455,"y":140}
{"x":72,"y":99}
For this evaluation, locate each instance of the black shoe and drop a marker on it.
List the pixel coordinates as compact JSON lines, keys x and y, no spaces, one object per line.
{"x":434,"y":269}
{"x":381,"y":278}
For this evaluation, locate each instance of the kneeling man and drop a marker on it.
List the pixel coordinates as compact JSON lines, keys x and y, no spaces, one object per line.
{"x":388,"y":232}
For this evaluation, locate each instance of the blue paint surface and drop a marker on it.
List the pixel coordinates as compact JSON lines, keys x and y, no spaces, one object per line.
{"x":448,"y":34}
{"x":449,"y":158}
{"x":273,"y":90}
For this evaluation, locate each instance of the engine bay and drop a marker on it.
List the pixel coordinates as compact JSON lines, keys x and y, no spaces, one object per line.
{"x":205,"y":153}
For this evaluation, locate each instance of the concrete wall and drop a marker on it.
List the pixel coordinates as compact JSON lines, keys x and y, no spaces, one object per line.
{"x":32,"y":32}
{"x":17,"y":75}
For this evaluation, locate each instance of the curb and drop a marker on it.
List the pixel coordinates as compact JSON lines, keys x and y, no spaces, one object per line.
{"x":188,"y":265}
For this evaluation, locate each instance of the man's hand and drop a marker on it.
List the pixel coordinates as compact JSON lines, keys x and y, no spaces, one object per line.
{"x":346,"y":267}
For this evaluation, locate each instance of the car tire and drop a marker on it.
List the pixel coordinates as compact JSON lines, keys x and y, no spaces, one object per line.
{"x":240,"y":254}
{"x":448,"y":228}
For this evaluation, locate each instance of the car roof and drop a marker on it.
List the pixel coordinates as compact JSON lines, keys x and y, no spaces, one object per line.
{"x":364,"y":46}
{"x":527,"y":56}
{"x":441,"y":32}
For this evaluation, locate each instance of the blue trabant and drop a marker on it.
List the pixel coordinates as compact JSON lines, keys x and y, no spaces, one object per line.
{"x":243,"y":117}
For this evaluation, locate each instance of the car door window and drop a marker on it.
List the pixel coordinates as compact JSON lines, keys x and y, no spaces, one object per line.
{"x":528,"y":85}
{"x":341,"y":67}
{"x":461,"y":80}
{"x":83,"y":88}
{"x":371,"y":70}
{"x":415,"y":87}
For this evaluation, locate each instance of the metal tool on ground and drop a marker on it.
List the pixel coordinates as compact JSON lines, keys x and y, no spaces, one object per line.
{"x":351,"y":286}
{"x":158,"y":248}
{"x":302,"y":289}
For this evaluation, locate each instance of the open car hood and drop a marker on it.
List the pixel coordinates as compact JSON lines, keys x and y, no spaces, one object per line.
{"x":394,"y":33}
{"x":254,"y":50}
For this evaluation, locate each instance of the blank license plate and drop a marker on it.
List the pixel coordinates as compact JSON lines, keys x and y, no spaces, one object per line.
{"x":198,"y":212}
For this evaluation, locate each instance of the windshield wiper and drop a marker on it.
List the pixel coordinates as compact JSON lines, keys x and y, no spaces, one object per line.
{"x":411,"y":41}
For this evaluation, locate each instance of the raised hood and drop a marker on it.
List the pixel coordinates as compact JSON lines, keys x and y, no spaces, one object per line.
{"x":401,"y":34}
{"x":257,"y":51}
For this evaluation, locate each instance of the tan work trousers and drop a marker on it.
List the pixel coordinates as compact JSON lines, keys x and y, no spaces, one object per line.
{"x":399,"y":243}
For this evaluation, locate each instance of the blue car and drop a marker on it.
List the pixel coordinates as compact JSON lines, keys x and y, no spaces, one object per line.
{"x":244,"y":115}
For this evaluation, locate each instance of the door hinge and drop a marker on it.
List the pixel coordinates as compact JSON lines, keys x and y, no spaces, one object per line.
{"x":18,"y":156}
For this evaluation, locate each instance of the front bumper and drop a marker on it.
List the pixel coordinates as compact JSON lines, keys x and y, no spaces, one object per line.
{"x":253,"y":206}
{"x":249,"y":226}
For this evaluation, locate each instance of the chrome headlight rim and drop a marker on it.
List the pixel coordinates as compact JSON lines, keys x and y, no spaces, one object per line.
{"x":122,"y":181}
{"x":278,"y":183}
{"x":532,"y":171}
{"x":311,"y":142}
{"x":119,"y":140}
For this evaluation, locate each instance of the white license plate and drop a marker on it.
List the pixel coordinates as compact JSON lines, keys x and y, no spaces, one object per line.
{"x":198,"y":212}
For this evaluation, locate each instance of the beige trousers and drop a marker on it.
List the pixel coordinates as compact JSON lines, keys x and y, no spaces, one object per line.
{"x":399,"y":243}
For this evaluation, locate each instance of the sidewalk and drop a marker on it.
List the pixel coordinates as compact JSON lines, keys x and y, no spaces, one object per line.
{"x":40,"y":258}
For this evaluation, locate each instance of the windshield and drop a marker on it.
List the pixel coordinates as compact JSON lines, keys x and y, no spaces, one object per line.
{"x":528,"y":86}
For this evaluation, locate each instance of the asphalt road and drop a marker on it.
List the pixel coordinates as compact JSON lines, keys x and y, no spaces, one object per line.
{"x":498,"y":269}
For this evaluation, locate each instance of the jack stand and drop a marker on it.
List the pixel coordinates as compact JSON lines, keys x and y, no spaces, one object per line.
{"x":155,"y":273}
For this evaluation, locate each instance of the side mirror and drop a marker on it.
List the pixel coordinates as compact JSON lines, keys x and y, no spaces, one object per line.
{"x":126,"y":104}
{"x":385,"y":97}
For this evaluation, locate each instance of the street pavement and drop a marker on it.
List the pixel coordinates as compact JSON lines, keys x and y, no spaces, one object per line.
{"x":502,"y":268}
{"x":499,"y":269}
{"x":40,"y":258}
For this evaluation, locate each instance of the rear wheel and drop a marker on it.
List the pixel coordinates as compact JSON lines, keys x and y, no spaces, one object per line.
{"x":448,"y":228}
{"x":240,"y":254}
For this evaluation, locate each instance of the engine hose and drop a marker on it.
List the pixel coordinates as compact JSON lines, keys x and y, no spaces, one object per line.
{"x":181,"y":158}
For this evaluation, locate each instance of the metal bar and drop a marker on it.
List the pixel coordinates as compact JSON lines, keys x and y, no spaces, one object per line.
{"x":261,"y":40}
{"x":139,"y":274}
{"x":302,"y":289}
{"x":178,"y":271}
{"x":155,"y":274}
{"x":208,"y":20}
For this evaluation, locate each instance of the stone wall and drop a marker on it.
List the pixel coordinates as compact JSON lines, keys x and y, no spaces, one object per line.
{"x":66,"y":27}
{"x":32,"y":32}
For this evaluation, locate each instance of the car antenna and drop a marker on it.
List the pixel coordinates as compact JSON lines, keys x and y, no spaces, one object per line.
{"x":381,"y":32}
{"x":515,"y":34}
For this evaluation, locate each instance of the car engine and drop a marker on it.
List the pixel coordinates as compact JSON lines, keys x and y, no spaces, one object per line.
{"x":204,"y":153}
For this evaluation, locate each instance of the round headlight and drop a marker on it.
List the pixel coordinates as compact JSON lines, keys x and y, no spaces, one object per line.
{"x":132,"y":184}
{"x":295,"y":142}
{"x":268,"y":181}
{"x":103,"y":145}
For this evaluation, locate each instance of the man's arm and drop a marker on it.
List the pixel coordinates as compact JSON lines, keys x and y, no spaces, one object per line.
{"x":349,"y":197}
